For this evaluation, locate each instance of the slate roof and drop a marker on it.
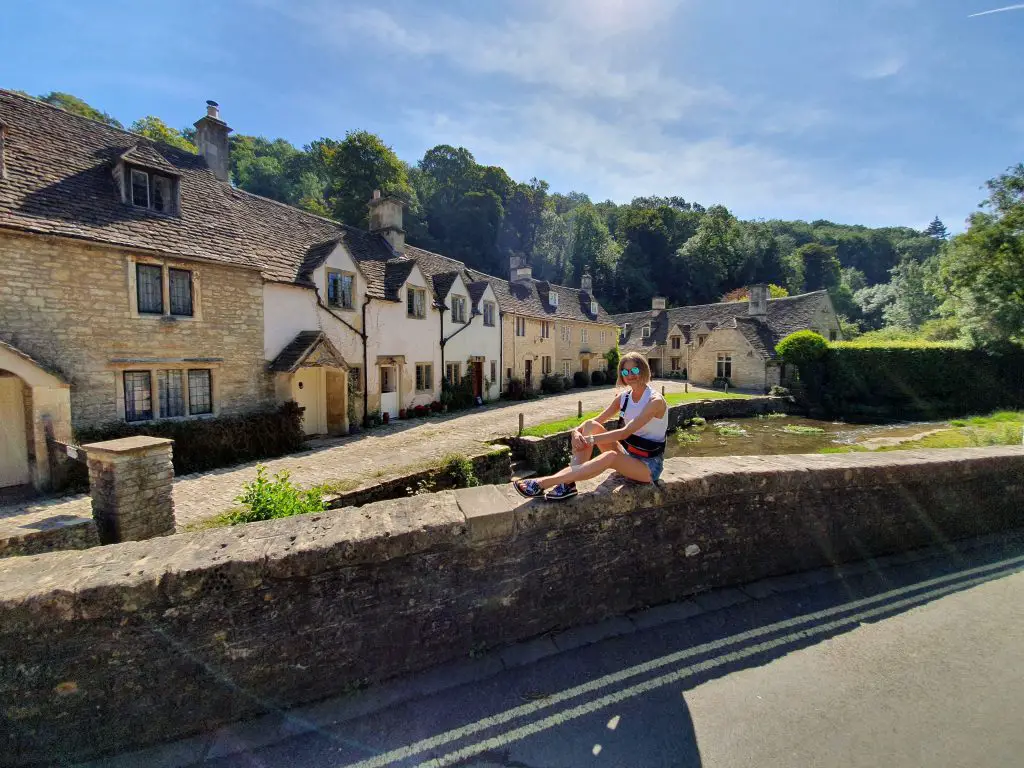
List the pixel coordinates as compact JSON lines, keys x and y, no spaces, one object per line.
{"x":530,"y":298}
{"x":297,"y":349}
{"x":785,"y":315}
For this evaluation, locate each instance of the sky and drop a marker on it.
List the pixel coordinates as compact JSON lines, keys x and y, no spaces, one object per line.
{"x":875,"y":112}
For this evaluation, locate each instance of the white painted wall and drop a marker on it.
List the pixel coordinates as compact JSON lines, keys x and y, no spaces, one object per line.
{"x":477,"y":339}
{"x":287,"y":310}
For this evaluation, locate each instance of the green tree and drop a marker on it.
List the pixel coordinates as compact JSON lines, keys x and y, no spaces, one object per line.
{"x":983,"y":269}
{"x":360,"y":164}
{"x":937,"y":230}
{"x":76,"y":106}
{"x":821,"y":266}
{"x":912,"y":302}
{"x":156,"y":129}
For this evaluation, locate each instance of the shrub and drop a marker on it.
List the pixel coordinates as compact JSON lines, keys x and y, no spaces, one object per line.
{"x":436,"y":406}
{"x":721,"y":382}
{"x":516,"y":389}
{"x":459,"y":470}
{"x":802,"y":348}
{"x":777,"y":391}
{"x":597,"y":378}
{"x":566,"y":382}
{"x":421,"y":410}
{"x":552,"y":384}
{"x":203,"y":444}
{"x":457,"y":396}
{"x":613,"y":357}
{"x":580,"y":379}
{"x":264,"y":499}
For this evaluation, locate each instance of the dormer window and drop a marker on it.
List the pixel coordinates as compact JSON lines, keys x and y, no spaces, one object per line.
{"x":152,"y":191}
{"x":593,"y":308}
{"x":553,"y":299}
{"x":458,"y":309}
{"x":646,"y":332}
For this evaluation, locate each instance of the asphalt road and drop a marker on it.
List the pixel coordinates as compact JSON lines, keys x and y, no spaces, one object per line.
{"x":910,"y":661}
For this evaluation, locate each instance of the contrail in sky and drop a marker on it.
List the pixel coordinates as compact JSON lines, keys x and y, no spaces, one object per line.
{"x":1017,"y":7}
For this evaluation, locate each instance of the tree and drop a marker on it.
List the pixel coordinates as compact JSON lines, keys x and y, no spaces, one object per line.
{"x":937,"y":230}
{"x":76,"y":106}
{"x":983,"y":269}
{"x":821,"y":266}
{"x":360,"y":164}
{"x":156,"y":129}
{"x":912,"y":303}
{"x":743,"y":294}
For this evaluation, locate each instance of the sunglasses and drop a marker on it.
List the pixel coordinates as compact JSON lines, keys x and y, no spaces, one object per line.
{"x":634,"y":370}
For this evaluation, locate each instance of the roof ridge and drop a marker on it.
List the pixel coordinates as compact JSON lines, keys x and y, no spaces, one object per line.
{"x":39,"y":102}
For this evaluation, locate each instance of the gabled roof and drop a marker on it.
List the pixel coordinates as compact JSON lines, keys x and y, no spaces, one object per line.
{"x":784,"y":316}
{"x":302,"y":348}
{"x":145,"y":155}
{"x":529,"y":297}
{"x":477,"y":290}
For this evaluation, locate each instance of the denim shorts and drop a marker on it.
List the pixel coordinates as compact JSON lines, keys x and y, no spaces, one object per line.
{"x":654,"y":463}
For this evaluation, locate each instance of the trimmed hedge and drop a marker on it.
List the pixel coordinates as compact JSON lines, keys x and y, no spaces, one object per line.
{"x":597,"y":378}
{"x":913,"y":381}
{"x":203,"y":444}
{"x":580,"y":379}
{"x":552,"y":384}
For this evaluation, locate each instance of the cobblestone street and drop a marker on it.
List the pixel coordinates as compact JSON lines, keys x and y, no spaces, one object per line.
{"x":357,"y":461}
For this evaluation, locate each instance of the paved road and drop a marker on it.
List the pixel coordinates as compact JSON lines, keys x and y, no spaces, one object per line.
{"x":368,"y":458}
{"x":910,"y":661}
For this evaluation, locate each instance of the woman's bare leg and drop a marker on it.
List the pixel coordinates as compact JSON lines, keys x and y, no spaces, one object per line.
{"x":620,"y":462}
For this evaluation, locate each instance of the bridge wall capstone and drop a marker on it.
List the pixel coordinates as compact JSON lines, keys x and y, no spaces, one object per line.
{"x":116,"y":647}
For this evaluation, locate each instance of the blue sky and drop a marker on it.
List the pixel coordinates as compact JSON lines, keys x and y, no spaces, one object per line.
{"x":875,"y":112}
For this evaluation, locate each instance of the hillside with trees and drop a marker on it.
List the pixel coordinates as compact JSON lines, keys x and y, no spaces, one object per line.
{"x":895,"y":282}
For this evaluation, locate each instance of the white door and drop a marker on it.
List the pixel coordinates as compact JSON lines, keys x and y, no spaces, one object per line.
{"x":13,"y":445}
{"x":389,"y":390}
{"x":310,"y":393}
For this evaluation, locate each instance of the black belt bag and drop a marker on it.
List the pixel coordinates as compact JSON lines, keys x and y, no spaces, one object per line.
{"x":643,"y":448}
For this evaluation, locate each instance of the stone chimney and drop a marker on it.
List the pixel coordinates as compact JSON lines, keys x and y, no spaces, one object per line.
{"x":519,"y":270}
{"x":757,"y":306}
{"x":587,"y":283}
{"x":386,"y":219}
{"x":657,"y":305}
{"x":212,"y":141}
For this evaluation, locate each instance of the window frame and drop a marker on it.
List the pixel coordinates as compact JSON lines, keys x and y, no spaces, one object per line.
{"x":677,"y":342}
{"x":494,"y":372}
{"x":584,"y":335}
{"x":520,"y":326}
{"x":355,"y":373}
{"x":142,"y":267}
{"x":459,"y":302}
{"x":131,"y":187}
{"x":545,"y":365}
{"x":169,"y":201}
{"x":158,"y":392}
{"x":191,"y":293}
{"x":545,"y":329}
{"x":414,"y":293}
{"x":566,"y":368}
{"x":723,"y":362}
{"x":341,"y":274}
{"x":136,"y":374}
{"x":139,"y":265}
{"x":553,"y":299}
{"x":489,"y":305}
{"x":645,"y":332}
{"x":593,"y":307}
{"x":457,"y":368}
{"x":425,"y":376}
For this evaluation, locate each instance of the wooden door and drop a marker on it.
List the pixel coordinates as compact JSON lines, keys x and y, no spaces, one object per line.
{"x":309,"y":391}
{"x":14,"y":469}
{"x":528,"y":373}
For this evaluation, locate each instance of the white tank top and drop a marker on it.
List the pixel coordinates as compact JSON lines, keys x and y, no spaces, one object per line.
{"x":656,"y":428}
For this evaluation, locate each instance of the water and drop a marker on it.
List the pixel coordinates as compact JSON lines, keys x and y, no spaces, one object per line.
{"x":765,"y":436}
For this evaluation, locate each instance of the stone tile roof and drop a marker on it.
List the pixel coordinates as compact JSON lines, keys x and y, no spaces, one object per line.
{"x":396,"y":272}
{"x":49,"y":368}
{"x":144,"y":155}
{"x":530,"y":298}
{"x":476,"y":291}
{"x":297,"y":349}
{"x":785,"y":315}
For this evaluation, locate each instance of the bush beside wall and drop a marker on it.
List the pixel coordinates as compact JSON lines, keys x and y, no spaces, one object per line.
{"x":203,"y":444}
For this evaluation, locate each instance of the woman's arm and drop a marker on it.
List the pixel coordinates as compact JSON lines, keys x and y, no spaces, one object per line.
{"x":653,"y":410}
{"x":605,"y":415}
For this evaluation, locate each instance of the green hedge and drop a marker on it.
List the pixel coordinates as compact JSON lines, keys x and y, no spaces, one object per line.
{"x":203,"y":444}
{"x":912,"y":381}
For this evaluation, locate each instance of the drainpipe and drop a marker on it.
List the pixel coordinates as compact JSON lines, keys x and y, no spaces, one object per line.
{"x":446,"y":340}
{"x":362,"y":335}
{"x":501,"y":350}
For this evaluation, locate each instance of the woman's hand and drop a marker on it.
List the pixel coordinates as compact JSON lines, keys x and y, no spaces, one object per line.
{"x":578,"y":441}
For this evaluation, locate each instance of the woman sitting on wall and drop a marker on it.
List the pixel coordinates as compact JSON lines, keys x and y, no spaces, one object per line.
{"x":635,"y":449}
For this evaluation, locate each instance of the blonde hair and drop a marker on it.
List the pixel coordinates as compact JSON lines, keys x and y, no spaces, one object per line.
{"x":633,"y":359}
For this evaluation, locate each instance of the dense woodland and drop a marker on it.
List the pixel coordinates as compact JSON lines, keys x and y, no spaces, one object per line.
{"x":895,"y":282}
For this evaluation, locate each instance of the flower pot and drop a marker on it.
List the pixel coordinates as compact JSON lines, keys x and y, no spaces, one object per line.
{"x":385,"y":416}
{"x":402,"y":413}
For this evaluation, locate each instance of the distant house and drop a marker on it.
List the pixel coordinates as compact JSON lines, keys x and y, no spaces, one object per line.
{"x":729,"y":340}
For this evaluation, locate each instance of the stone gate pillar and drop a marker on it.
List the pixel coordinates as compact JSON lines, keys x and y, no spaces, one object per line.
{"x":130,"y":483}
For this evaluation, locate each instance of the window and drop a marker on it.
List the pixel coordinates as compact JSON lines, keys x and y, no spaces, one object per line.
{"x":646,"y":332}
{"x":340,"y":288}
{"x":724,"y":365}
{"x":675,"y":342}
{"x":451,"y":372}
{"x":355,"y":376}
{"x":489,"y":313}
{"x":700,"y":338}
{"x":424,"y":377}
{"x":494,"y":371}
{"x":458,"y":309}
{"x":675,"y":364}
{"x":138,"y":396}
{"x":566,"y":333}
{"x":416,"y":302}
{"x":149,"y":285}
{"x":508,"y":374}
{"x":545,"y":330}
{"x":387,"y":379}
{"x":565,"y":368}
{"x":545,"y":364}
{"x":602,"y":336}
{"x":520,"y":326}
{"x":171,"y":393}
{"x":200,"y":393}
{"x":832,"y":335}
{"x":593,"y":308}
{"x":140,"y":188}
{"x":553,"y":299}
{"x":179,"y":285}
{"x":584,"y":335}
{"x":152,"y":191}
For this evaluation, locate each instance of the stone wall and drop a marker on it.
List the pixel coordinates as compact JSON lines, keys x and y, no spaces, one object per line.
{"x":46,"y":534}
{"x":547,"y":454}
{"x":108,"y":649}
{"x":70,"y":305}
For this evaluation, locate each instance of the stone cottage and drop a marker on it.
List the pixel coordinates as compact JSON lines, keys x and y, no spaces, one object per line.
{"x":729,"y":340}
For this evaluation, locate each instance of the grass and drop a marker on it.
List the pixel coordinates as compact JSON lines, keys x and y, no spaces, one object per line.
{"x":675,"y":398}
{"x":800,"y":429}
{"x":730,"y":431}
{"x":999,"y":428}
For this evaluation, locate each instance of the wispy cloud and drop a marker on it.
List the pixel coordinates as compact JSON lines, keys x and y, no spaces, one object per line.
{"x":1018,"y":7}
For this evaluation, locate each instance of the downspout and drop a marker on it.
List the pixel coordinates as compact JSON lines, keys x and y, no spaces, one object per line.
{"x":362,"y":336}
{"x":446,"y":340}
{"x":366,"y":368}
{"x":442,"y":341}
{"x":501,"y":350}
